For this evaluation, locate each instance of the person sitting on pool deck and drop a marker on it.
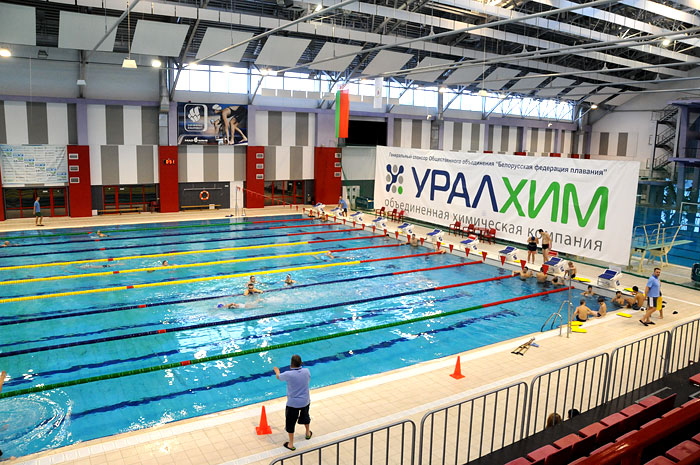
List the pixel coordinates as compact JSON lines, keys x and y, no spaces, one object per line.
{"x":588,"y":292}
{"x":638,"y":302}
{"x":602,"y":307}
{"x":541,"y":276}
{"x":582,"y":312}
{"x":288,"y":281}
{"x":570,"y":272}
{"x":523,"y":273}
{"x":250,"y":287}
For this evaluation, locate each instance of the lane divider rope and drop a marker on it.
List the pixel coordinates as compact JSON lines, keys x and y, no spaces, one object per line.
{"x":221,"y":296}
{"x":196,"y":280}
{"x":255,"y":350}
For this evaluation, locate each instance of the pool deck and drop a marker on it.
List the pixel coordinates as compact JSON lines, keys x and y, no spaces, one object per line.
{"x":344,"y":409}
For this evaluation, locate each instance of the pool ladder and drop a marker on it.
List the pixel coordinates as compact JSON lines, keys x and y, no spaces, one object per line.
{"x":553,"y":317}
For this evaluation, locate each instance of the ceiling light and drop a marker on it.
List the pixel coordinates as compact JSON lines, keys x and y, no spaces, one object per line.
{"x":666,"y":42}
{"x":128,"y":63}
{"x":318,"y":8}
{"x":549,"y":125}
{"x":483,"y":93}
{"x":442,"y":90}
{"x":226,"y":68}
{"x":594,"y":106}
{"x":81,"y":82}
{"x":502,"y":96}
{"x":5,"y":52}
{"x":42,"y":54}
{"x":270,"y":72}
{"x":156,"y":63}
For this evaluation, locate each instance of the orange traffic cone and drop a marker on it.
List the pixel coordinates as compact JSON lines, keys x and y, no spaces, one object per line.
{"x":264,"y":428}
{"x":458,"y":370}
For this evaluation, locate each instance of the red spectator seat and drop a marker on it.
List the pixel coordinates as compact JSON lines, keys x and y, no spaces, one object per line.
{"x":696,"y":438}
{"x":683,"y":450}
{"x":592,"y":429}
{"x":649,"y":401}
{"x":380,"y":212}
{"x":470,"y":229}
{"x":393,"y":214}
{"x":670,"y":412}
{"x":400,"y":216}
{"x":455,"y":228}
{"x":542,"y":453}
{"x":626,"y":435}
{"x":616,"y":425}
{"x":578,"y":460}
{"x":636,"y":415}
{"x":690,"y":402}
{"x":568,"y":440}
{"x":560,"y":457}
{"x":660,"y":461}
{"x":602,"y":448}
{"x":490,"y":235}
{"x":695,"y":379}
{"x":650,"y":423}
{"x":519,"y":461}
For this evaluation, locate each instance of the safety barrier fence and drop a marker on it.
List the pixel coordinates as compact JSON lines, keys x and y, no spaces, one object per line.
{"x":465,"y":431}
{"x":579,"y":386}
{"x":387,"y":445}
{"x":637,"y":364}
{"x":685,"y":349}
{"x":472,"y":428}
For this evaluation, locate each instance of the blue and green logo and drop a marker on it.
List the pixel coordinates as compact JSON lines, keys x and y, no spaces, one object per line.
{"x":394,"y":179}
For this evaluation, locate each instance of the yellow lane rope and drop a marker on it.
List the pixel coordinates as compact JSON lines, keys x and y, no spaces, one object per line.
{"x":155,"y":255}
{"x":172,"y":283}
{"x":154,"y":268}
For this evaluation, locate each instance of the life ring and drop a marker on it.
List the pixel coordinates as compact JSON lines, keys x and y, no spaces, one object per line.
{"x":204,"y":195}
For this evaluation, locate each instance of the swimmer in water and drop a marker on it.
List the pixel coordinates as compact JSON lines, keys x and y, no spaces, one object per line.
{"x":101,"y":234}
{"x":232,"y":305}
{"x":6,"y":244}
{"x":250,"y":287}
{"x":88,"y":266}
{"x":163,"y":263}
{"x":288,"y":281}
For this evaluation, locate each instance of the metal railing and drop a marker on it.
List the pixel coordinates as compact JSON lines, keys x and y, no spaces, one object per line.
{"x":685,"y":346}
{"x":470,"y":429}
{"x":637,"y":364}
{"x":393,"y":444}
{"x":580,"y":386}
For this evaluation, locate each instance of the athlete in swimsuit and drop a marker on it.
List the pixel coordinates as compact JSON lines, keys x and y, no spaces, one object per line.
{"x":250,"y":288}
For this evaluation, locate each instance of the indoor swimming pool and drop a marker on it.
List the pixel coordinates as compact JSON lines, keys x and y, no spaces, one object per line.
{"x":99,"y":337}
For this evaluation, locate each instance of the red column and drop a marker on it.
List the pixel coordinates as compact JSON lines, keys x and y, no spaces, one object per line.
{"x":2,"y":207}
{"x":255,"y":177}
{"x":79,"y":185}
{"x":327,"y":174}
{"x":168,"y":179}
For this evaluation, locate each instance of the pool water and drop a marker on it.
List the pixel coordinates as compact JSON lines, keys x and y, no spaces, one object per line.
{"x":56,"y":326}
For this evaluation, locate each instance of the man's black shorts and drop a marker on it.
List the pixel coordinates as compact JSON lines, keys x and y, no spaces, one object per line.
{"x":294,"y":415}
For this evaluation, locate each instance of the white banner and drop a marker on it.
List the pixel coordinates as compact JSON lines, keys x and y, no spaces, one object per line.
{"x":33,"y":164}
{"x":586,"y":205}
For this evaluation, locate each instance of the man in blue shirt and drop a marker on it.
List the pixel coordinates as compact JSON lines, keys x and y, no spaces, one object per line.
{"x":298,"y":398}
{"x":37,"y":212}
{"x":653,"y":294}
{"x":344,"y":205}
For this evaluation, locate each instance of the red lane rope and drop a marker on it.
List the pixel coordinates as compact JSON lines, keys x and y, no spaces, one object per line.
{"x":280,"y":221}
{"x":438,"y":288}
{"x":305,"y":226}
{"x":437,"y":267}
{"x":515,"y":299}
{"x":346,"y":239}
{"x":324,"y":232}
{"x":403,"y":256}
{"x":367,"y":247}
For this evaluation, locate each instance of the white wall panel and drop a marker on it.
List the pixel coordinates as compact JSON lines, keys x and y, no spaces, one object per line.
{"x":127,"y":164}
{"x":156,"y":174}
{"x":260,"y":133}
{"x":95,"y":165}
{"x":289,"y":125}
{"x":226,"y":154}
{"x":406,"y":132}
{"x":447,"y":134}
{"x":312,"y":129}
{"x":308,"y":165}
{"x":97,"y":126}
{"x":57,"y":121}
{"x":282,"y":162}
{"x":132,"y":125}
{"x":425,"y":135}
{"x":16,"y":123}
{"x":195,"y":164}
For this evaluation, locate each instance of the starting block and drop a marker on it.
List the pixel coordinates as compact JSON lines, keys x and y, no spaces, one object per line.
{"x":470,"y":243}
{"x":319,"y":208}
{"x":379,"y":223}
{"x":436,"y":236}
{"x":510,"y":253}
{"x":406,"y":229}
{"x":357,"y":217}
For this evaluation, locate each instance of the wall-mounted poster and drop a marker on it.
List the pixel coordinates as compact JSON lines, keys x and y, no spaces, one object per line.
{"x":212,"y":124}
{"x":33,"y":164}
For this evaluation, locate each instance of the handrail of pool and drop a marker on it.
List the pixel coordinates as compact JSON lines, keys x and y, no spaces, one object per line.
{"x":167,"y":366}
